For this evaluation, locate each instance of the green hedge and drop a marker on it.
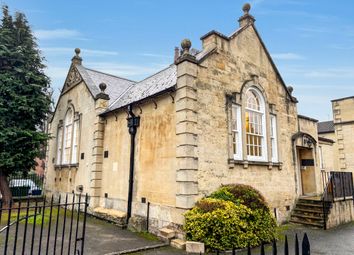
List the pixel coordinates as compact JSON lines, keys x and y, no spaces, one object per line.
{"x":233,"y":216}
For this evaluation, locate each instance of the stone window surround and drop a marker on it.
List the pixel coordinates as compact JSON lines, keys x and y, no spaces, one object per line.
{"x":270,"y":109}
{"x":77,"y":119}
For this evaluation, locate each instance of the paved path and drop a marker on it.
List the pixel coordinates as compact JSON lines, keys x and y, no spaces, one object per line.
{"x":105,"y":238}
{"x":337,"y":241}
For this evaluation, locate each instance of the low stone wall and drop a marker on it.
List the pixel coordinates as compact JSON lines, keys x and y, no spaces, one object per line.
{"x":340,"y":213}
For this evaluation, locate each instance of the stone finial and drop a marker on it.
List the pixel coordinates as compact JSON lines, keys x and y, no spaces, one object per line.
{"x":102,"y":94}
{"x":102,"y":87}
{"x":290,"y":89}
{"x":186,"y":44}
{"x":77,"y":51}
{"x":246,"y":8}
{"x":246,"y":18}
{"x":77,"y":59}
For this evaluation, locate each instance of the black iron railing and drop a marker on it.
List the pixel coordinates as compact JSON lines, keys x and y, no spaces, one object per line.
{"x":337,"y":186}
{"x":40,"y":226}
{"x":305,"y":247}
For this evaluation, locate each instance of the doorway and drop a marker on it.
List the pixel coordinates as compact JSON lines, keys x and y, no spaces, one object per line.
{"x":307,"y":170}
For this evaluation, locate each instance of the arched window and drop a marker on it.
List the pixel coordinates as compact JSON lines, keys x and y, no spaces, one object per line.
{"x":255,"y":126}
{"x":68,"y":130}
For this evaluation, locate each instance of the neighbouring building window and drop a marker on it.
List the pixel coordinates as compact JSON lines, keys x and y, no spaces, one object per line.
{"x":273,"y":138}
{"x":59,"y":145}
{"x":236,"y":132}
{"x":68,"y":128}
{"x":321,"y":157}
{"x":255,"y":126}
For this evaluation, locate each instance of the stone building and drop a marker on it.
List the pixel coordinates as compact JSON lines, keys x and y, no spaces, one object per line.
{"x":339,"y":153}
{"x":336,"y":156}
{"x":218,"y":115}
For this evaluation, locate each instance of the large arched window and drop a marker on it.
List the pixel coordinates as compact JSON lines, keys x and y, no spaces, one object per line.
{"x":255,"y":125}
{"x":68,"y":139}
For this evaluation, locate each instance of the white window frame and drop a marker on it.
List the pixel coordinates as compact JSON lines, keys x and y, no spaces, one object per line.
{"x":262,"y":111}
{"x":59,"y":145}
{"x":236,"y":132}
{"x":274,"y":138}
{"x":67,"y":143}
{"x":75,"y":142}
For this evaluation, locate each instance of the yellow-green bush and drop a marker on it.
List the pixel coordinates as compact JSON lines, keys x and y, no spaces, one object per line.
{"x":224,"y":221}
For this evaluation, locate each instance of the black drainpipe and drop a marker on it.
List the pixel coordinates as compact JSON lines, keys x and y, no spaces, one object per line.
{"x":133,"y":124}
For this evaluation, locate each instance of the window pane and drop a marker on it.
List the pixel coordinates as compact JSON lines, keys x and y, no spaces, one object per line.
{"x":254,"y":125}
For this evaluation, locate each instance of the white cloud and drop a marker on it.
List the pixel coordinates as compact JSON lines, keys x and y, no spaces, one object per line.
{"x":84,"y":52}
{"x":154,"y":55}
{"x":43,"y":34}
{"x":57,"y":72}
{"x":287,"y":56}
{"x":326,"y":72}
{"x":126,"y":70}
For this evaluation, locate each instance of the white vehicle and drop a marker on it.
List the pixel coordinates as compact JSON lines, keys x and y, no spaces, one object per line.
{"x":24,"y":183}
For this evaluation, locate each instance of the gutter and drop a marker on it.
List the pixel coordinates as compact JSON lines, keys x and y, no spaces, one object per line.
{"x":133,"y":124}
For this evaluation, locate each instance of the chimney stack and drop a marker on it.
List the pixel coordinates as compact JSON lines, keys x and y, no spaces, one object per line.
{"x":176,"y":54}
{"x":246,"y":18}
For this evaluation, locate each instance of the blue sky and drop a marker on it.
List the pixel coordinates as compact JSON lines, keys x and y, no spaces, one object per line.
{"x":311,"y":41}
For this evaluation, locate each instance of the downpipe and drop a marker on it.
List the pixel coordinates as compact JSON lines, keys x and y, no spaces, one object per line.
{"x":133,"y":124}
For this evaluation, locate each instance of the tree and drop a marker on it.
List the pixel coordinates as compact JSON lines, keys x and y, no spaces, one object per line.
{"x":24,"y":99}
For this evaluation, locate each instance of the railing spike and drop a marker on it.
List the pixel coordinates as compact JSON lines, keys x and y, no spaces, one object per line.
{"x":275,"y":249}
{"x":262,"y":249}
{"x":297,"y":252}
{"x":305,"y":245}
{"x":286,"y":246}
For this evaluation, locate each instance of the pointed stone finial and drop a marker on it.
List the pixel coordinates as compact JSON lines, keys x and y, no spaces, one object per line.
{"x":186,"y":44}
{"x":246,"y":18}
{"x":77,"y":60}
{"x":102,"y":86}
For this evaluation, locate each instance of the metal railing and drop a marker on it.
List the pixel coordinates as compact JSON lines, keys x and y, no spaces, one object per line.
{"x":40,"y":226}
{"x":337,"y":186}
{"x":305,"y":247}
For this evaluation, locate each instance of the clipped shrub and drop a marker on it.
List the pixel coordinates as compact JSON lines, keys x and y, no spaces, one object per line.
{"x":241,"y":193}
{"x":223,"y":226}
{"x":233,"y":216}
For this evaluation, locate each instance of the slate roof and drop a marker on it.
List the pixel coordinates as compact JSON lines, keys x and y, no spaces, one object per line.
{"x":155,"y":84}
{"x":116,"y":86}
{"x":325,"y":127}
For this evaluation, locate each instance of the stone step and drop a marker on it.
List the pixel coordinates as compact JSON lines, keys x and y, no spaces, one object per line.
{"x":313,"y":224}
{"x":167,"y":233}
{"x":309,"y":204}
{"x":195,"y":247}
{"x":309,"y":210}
{"x":178,"y":244}
{"x":307,"y":216}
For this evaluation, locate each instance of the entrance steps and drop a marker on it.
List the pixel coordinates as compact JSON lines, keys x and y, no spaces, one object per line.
{"x":309,"y":212}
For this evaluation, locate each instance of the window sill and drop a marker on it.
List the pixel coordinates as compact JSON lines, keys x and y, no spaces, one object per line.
{"x":66,"y":166}
{"x":246,"y":163}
